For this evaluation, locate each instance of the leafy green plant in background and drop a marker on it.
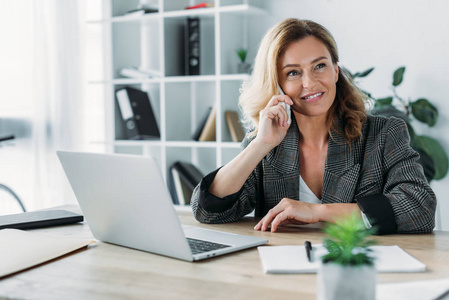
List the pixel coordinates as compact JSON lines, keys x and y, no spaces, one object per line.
{"x":241,"y":53}
{"x":348,"y":241}
{"x":243,"y":67}
{"x":433,"y":158}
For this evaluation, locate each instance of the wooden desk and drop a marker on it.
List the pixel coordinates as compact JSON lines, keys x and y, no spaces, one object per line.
{"x":105,"y":271}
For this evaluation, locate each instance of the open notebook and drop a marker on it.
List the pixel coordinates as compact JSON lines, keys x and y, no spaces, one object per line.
{"x":293,"y":259}
{"x":21,"y":250}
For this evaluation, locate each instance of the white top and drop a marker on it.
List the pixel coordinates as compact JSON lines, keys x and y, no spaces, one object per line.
{"x":306,"y":195}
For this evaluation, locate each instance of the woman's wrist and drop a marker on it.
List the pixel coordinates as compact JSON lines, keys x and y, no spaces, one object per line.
{"x":330,"y":212}
{"x":321,"y":212}
{"x":262,"y":146}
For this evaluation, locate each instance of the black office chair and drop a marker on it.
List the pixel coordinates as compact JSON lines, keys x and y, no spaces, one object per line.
{"x":6,"y":188}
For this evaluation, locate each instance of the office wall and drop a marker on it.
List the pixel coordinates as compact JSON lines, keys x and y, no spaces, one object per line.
{"x":387,"y":34}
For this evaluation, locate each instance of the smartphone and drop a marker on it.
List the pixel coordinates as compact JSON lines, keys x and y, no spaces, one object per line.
{"x":285,"y":105}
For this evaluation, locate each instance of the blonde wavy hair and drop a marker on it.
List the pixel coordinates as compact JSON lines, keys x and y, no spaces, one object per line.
{"x":256,"y":92}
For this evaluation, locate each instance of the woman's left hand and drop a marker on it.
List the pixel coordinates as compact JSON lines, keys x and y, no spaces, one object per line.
{"x":289,"y":211}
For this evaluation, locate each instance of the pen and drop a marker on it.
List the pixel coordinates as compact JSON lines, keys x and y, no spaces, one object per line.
{"x":308,"y":246}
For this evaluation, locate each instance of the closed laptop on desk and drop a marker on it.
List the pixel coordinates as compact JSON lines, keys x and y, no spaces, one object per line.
{"x":125,"y":202}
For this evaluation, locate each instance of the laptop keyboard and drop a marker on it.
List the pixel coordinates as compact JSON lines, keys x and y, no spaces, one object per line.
{"x":200,"y":246}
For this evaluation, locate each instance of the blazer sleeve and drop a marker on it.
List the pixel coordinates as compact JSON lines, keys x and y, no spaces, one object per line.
{"x":207,"y":208}
{"x":407,"y":204}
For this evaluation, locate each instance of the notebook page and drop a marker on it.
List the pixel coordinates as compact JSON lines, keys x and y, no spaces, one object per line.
{"x":22,"y":249}
{"x":293,"y":259}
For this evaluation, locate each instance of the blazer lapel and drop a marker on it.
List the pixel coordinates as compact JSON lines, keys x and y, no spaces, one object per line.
{"x":285,"y":157}
{"x":341,"y":171}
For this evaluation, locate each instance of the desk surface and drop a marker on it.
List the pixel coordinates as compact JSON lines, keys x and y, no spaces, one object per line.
{"x":105,"y":271}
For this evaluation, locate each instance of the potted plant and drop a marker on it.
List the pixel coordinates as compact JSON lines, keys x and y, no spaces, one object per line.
{"x":347,"y":271}
{"x":433,"y":157}
{"x":243,"y":67}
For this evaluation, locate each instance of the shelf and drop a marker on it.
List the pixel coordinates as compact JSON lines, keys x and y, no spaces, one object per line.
{"x":130,"y":143}
{"x":126,"y":81}
{"x":210,"y":11}
{"x":142,"y":18}
{"x":157,"y":41}
{"x":191,"y":144}
{"x":174,"y":144}
{"x":194,"y":144}
{"x":127,"y":19}
{"x":189,"y":78}
{"x":173,"y":79}
{"x":242,"y":9}
{"x":231,"y":145}
{"x":227,"y":77}
{"x":231,"y":77}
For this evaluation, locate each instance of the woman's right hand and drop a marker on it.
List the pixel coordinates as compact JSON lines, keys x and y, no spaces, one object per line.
{"x":273,"y":122}
{"x":272,"y":130}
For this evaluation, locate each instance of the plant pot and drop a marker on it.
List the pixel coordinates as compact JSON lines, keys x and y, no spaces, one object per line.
{"x":336,"y":282}
{"x":244,"y":68}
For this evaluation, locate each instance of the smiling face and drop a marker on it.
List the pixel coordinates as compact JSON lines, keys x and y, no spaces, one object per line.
{"x":307,"y":74}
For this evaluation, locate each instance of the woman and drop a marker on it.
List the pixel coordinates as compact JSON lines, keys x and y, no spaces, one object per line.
{"x":330,"y":160}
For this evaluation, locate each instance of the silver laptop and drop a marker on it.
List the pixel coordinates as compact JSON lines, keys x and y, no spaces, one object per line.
{"x":125,"y":202}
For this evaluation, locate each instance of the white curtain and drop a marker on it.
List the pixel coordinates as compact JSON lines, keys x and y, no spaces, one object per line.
{"x":48,"y":50}
{"x":59,"y":93}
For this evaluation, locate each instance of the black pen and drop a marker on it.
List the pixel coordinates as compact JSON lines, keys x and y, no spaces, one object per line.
{"x":308,"y":246}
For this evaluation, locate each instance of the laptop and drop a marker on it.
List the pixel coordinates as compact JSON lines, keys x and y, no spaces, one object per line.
{"x":125,"y":201}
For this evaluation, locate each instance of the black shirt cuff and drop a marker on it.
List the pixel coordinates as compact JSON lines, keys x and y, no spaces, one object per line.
{"x":379,"y":212}
{"x":211,"y":203}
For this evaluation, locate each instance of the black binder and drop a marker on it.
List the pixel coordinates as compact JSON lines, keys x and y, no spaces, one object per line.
{"x":189,"y":174}
{"x":183,"y":177}
{"x":193,"y":46}
{"x":137,"y":114}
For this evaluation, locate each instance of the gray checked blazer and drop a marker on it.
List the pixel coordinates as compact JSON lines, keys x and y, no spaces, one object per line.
{"x":379,"y":172}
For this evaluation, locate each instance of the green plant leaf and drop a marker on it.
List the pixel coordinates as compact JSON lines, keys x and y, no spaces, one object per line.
{"x":398,"y":76}
{"x":432,"y":148}
{"x":383,"y":102}
{"x":348,"y":241}
{"x":365,"y":73}
{"x":242,"y":52}
{"x":424,"y":111}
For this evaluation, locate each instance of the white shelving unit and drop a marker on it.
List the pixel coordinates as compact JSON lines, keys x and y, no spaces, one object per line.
{"x":157,"y":41}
